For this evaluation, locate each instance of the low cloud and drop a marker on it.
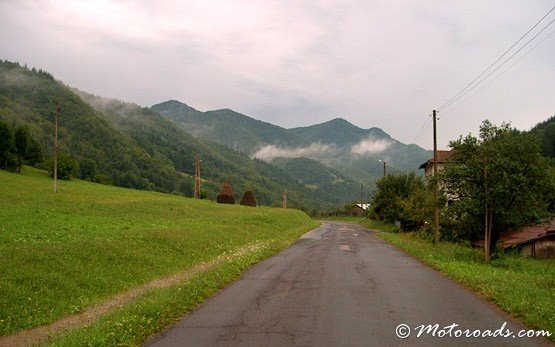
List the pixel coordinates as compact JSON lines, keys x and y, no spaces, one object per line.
{"x":370,"y":146}
{"x":270,"y":152}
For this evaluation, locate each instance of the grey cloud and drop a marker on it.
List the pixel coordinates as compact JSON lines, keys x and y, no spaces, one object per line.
{"x":293,"y":63}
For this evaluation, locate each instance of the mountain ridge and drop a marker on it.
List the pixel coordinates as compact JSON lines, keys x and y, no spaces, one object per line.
{"x":338,"y":144}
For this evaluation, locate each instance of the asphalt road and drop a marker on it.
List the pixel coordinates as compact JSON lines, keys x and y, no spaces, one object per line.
{"x":339,"y":285}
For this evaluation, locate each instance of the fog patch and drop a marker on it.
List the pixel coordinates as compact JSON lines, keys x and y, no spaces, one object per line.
{"x":370,"y":146}
{"x":270,"y":152}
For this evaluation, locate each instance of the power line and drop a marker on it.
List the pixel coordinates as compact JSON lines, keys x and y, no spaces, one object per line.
{"x":500,"y":74}
{"x":465,"y":90}
{"x":421,"y":131}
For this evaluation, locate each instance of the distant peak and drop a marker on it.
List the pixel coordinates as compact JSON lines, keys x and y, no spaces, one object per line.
{"x":173,"y":103}
{"x":340,"y":122}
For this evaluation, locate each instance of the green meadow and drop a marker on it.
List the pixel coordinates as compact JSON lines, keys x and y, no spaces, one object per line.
{"x":66,"y":251}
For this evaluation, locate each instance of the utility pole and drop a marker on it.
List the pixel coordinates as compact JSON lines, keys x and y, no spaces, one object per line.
{"x":487,"y":220}
{"x":361,"y":190}
{"x":58,"y":110}
{"x":285,"y":199}
{"x":436,"y":188}
{"x":197,"y":177}
{"x":384,"y":168}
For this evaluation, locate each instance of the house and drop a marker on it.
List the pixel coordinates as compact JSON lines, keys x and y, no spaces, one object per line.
{"x":442,"y":159}
{"x":358,"y":210}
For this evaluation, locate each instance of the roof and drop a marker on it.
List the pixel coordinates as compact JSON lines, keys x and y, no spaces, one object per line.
{"x":528,"y":234}
{"x":442,"y":157}
{"x":364,"y":206}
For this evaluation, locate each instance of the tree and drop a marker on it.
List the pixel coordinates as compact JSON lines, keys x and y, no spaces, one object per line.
{"x":418,"y":207}
{"x":87,"y":169}
{"x":6,"y":146}
{"x":501,"y":172}
{"x":35,"y":153}
{"x":21,"y":144}
{"x":391,"y":189}
{"x":67,"y":167}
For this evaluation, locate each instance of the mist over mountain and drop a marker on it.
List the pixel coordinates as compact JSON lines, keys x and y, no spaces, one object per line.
{"x":356,"y":153}
{"x":135,"y":147}
{"x":240,"y":132}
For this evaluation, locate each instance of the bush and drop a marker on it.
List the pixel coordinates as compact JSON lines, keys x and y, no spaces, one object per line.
{"x":67,"y":167}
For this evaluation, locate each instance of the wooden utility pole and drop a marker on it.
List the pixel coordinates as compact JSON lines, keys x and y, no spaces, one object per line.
{"x":285,"y":199}
{"x":436,"y":188}
{"x":487,"y":212}
{"x":58,"y":110}
{"x":361,"y":190}
{"x":384,"y":168}
{"x":197,"y":177}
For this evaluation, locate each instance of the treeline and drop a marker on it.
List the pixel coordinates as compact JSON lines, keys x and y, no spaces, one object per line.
{"x":545,"y":131}
{"x":502,"y":171}
{"x":18,"y":147}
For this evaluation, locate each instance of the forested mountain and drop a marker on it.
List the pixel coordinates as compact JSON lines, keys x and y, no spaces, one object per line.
{"x":357,"y":154}
{"x":161,"y":137}
{"x":362,"y":151}
{"x":132,"y":146}
{"x":339,"y":132}
{"x":242,"y":133}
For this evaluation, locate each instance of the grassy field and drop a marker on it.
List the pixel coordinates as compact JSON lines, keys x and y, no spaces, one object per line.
{"x":523,"y":287}
{"x":63,"y":252}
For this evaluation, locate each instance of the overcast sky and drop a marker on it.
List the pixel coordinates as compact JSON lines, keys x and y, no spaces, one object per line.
{"x":295,"y":63}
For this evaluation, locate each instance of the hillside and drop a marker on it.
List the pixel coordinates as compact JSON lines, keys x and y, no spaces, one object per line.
{"x":545,"y":131}
{"x":63,"y":252}
{"x":162,"y":138}
{"x":242,"y":133}
{"x":27,"y":97}
{"x":133,"y":146}
{"x":339,"y":132}
{"x":330,"y":183}
{"x":359,"y":151}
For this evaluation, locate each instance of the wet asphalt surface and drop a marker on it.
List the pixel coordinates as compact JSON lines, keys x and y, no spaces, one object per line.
{"x":340,"y":285}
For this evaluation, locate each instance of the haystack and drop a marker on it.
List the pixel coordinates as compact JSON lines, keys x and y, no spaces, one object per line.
{"x":248,"y":199}
{"x":226,"y":195}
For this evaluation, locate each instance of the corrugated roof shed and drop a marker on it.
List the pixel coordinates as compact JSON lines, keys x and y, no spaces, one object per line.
{"x":528,"y":234}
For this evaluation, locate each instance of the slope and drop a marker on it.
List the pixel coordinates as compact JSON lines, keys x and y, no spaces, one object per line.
{"x":163,"y":139}
{"x":63,"y":252}
{"x":360,"y":153}
{"x":330,"y":183}
{"x":27,"y":96}
{"x":228,"y":127}
{"x":356,"y":153}
{"x":132,"y":146}
{"x":339,"y":132}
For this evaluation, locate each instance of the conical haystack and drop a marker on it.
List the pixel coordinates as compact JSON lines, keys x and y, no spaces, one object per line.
{"x":226,"y":195}
{"x":248,"y":199}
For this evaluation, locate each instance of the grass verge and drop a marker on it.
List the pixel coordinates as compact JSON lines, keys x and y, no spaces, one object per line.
{"x":152,"y":312}
{"x":63,"y":252}
{"x":523,"y":287}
